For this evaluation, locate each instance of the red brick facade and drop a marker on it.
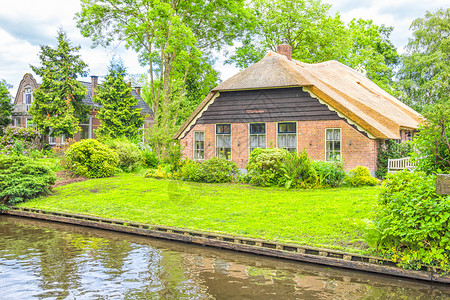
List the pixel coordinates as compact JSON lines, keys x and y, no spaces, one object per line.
{"x":356,"y":148}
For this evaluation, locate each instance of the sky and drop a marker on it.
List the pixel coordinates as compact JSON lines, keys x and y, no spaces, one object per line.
{"x":27,"y":24}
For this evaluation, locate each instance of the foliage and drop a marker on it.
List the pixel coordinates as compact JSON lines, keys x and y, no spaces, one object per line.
{"x":299,"y":172}
{"x":412,"y":221}
{"x":22,"y":178}
{"x":117,"y":114}
{"x":278,"y":167}
{"x":211,"y":170}
{"x":315,"y":36}
{"x":425,"y":72}
{"x":92,"y":159}
{"x":162,"y":172}
{"x":360,"y":176}
{"x":58,"y":105}
{"x":432,"y":143}
{"x":171,"y":38}
{"x":130,"y":156}
{"x":149,"y":158}
{"x":391,"y":150}
{"x":19,"y":140}
{"x":265,"y":167}
{"x":330,"y":174}
{"x":6,"y":107}
{"x":173,"y":155}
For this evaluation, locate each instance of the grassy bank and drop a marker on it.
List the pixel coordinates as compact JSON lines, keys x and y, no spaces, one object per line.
{"x":331,"y":218}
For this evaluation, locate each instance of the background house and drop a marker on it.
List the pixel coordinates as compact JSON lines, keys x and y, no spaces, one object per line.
{"x":329,"y":109}
{"x":24,"y":98}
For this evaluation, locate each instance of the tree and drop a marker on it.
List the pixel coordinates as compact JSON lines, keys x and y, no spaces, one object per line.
{"x":315,"y":36}
{"x":58,"y":105}
{"x":118,"y":115}
{"x":169,"y":37}
{"x":425,"y":73}
{"x":433,"y":140}
{"x":6,"y":106}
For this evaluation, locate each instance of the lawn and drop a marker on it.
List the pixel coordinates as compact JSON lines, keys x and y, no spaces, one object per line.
{"x":332,"y":218}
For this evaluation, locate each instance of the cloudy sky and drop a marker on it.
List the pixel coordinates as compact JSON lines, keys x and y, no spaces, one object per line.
{"x":26,"y":24}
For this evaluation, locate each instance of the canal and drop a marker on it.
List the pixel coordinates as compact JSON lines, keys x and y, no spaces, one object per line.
{"x":44,"y":260}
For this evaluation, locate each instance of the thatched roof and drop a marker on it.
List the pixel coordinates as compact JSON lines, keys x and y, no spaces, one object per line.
{"x":344,"y":90}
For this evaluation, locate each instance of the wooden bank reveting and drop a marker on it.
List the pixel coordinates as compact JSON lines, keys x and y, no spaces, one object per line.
{"x":302,"y":253}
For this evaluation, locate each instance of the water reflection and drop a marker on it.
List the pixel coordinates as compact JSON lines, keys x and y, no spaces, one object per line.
{"x":48,"y":260}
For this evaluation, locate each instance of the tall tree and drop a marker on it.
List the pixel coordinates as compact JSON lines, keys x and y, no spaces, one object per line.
{"x":118,"y":115}
{"x":425,"y":74}
{"x":315,"y":36}
{"x":169,"y":36}
{"x":6,"y":106}
{"x":58,"y":102}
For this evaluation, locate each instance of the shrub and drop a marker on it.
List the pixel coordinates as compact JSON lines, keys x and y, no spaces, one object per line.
{"x":330,"y":174}
{"x":19,"y":140}
{"x":90,"y":158}
{"x":173,"y":154}
{"x":360,"y":176}
{"x":299,"y":172}
{"x":390,"y":150}
{"x":162,"y":172}
{"x":214,"y":169}
{"x":265,"y":167}
{"x":412,"y":222}
{"x":130,"y":156}
{"x":150,"y":158}
{"x":278,"y":167}
{"x":22,"y":178}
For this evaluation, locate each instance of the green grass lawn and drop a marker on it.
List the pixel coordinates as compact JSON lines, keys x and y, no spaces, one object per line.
{"x":332,"y":218}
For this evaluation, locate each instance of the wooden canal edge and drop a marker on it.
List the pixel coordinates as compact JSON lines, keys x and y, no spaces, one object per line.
{"x":327,"y":257}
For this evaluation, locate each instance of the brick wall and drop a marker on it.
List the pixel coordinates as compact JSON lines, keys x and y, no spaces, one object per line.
{"x":356,"y":148}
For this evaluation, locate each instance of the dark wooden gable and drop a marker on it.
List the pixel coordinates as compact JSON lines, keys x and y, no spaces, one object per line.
{"x":269,"y":105}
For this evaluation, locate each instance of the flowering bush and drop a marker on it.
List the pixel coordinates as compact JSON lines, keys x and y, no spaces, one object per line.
{"x":18,"y":139}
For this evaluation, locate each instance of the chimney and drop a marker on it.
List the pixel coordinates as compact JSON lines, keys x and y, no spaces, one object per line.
{"x":138,"y":90}
{"x":285,"y":49}
{"x":94,"y":83}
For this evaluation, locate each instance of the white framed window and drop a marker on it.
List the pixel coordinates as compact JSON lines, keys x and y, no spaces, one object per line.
{"x":28,"y":122}
{"x":223,"y":141}
{"x":199,"y":145}
{"x":333,"y":144}
{"x":27,"y":98}
{"x":287,"y":136}
{"x":16,"y":121}
{"x":86,"y":129}
{"x":257,"y":136}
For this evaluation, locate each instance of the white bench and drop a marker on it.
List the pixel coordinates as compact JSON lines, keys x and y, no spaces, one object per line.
{"x":398,"y":164}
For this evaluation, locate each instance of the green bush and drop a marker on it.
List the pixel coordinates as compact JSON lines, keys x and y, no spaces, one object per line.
{"x":391,"y":149}
{"x":360,"y":176}
{"x":22,"y":178}
{"x":173,"y":156}
{"x":150,"y":158}
{"x":278,"y":167}
{"x":90,"y":158}
{"x":299,"y":172}
{"x":330,"y":174}
{"x":130,"y":156}
{"x":412,"y":222}
{"x":211,"y":170}
{"x":266,"y":167}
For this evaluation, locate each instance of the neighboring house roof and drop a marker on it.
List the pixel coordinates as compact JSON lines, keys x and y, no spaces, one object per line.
{"x":141,"y":103}
{"x":28,"y":80}
{"x":344,"y":90}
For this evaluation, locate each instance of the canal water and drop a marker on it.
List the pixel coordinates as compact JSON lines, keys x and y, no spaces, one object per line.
{"x":44,"y":260}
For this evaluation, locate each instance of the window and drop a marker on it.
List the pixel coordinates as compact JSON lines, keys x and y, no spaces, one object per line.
{"x":86,"y":129}
{"x":287,"y":136}
{"x":333,"y":144}
{"x":28,"y":98}
{"x":28,"y":122}
{"x":16,"y":121}
{"x":223,"y":141}
{"x":257,"y":136}
{"x":199,"y":145}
